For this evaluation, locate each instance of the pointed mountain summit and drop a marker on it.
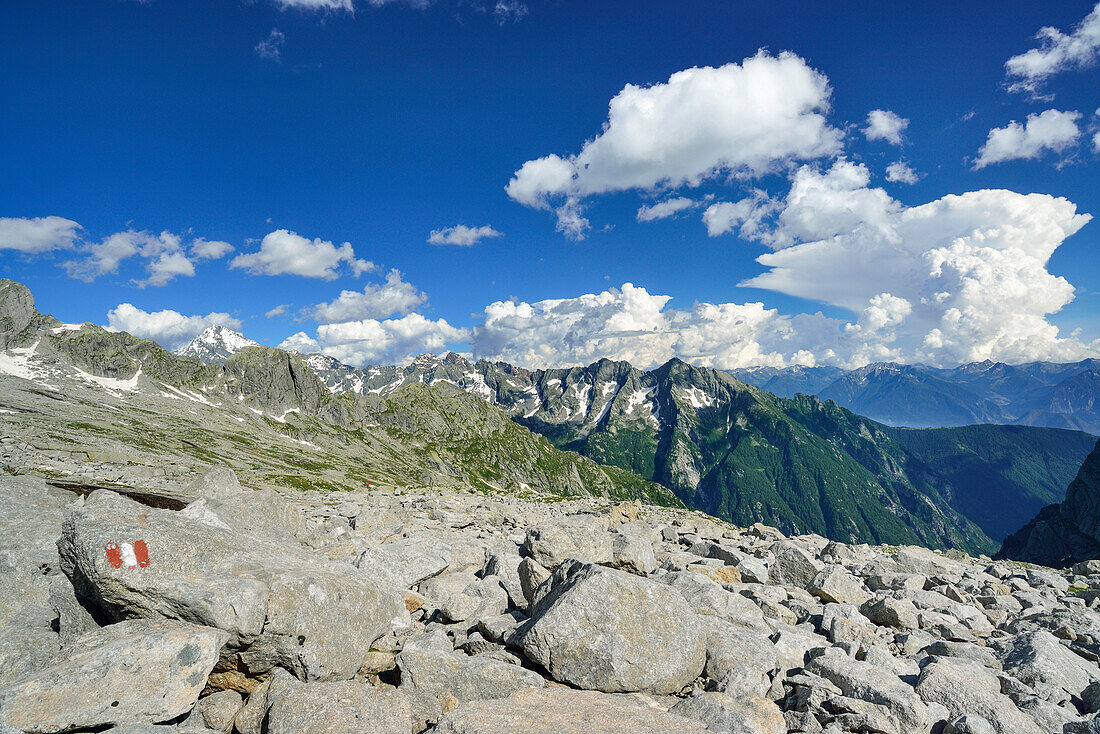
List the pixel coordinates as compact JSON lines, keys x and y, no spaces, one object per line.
{"x":215,"y":345}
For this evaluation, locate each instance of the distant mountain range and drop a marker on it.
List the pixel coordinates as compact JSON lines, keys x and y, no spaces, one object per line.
{"x":1033,"y":394}
{"x":737,"y":452}
{"x":675,"y":434}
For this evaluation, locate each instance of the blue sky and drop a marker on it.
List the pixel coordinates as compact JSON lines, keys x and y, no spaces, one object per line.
{"x":305,"y":123}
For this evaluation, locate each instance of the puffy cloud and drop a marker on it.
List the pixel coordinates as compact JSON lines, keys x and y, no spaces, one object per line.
{"x":202,"y":249}
{"x":301,"y":342}
{"x":271,"y":48}
{"x":747,"y":215}
{"x":509,"y":11}
{"x":319,"y":4}
{"x":665,"y":209}
{"x":1096,"y":143}
{"x":901,"y":172}
{"x":277,"y":311}
{"x":885,"y":125}
{"x":373,"y":302}
{"x":622,"y":323}
{"x":370,"y":341}
{"x":742,"y":119}
{"x":1051,"y":130}
{"x":461,"y":235}
{"x":283,"y":252}
{"x":818,"y":205}
{"x":1057,"y":52}
{"x":170,"y":329}
{"x":164,"y":255}
{"x":166,"y":266}
{"x":39,"y":234}
{"x":972,"y":268}
{"x":632,"y":324}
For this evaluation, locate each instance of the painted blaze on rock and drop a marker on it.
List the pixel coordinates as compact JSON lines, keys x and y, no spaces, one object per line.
{"x":133,"y":555}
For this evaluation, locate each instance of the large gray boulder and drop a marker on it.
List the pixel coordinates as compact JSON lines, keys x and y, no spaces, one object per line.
{"x":793,"y":566}
{"x":581,"y":537}
{"x":31,"y":513}
{"x":965,"y":687}
{"x":732,"y":714}
{"x":732,"y":647}
{"x":870,"y":683}
{"x":1039,"y":660}
{"x":564,"y":711}
{"x":608,"y":630}
{"x":708,"y":598}
{"x":414,"y":559}
{"x":335,"y":707}
{"x":433,"y":678}
{"x":137,"y":671}
{"x":281,"y":605}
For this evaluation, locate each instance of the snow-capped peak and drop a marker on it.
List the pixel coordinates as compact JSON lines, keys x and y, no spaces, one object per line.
{"x":215,"y":345}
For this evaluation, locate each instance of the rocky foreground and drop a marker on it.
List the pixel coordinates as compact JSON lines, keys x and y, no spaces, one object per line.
{"x":252,"y":612}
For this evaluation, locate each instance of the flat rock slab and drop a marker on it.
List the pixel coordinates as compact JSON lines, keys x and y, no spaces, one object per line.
{"x":281,"y":604}
{"x":564,"y":711}
{"x":137,"y":671}
{"x":340,"y":707}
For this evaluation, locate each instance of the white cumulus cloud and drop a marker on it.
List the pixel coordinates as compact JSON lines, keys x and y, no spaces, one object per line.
{"x":283,"y":252}
{"x":39,"y":234}
{"x":165,"y":256}
{"x":271,"y":48}
{"x":885,"y":125}
{"x":169,"y":328}
{"x":972,"y":267}
{"x":901,"y":172}
{"x":1057,"y":52}
{"x":1052,"y":130}
{"x":202,"y":249}
{"x":743,"y":119}
{"x":373,"y":302}
{"x":461,"y":235}
{"x":665,"y":209}
{"x":345,"y":5}
{"x":371,"y":341}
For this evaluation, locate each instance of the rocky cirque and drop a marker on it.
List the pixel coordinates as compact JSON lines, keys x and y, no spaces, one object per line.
{"x":253,"y":611}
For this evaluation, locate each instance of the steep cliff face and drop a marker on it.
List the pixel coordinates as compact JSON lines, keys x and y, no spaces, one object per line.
{"x":1066,"y":533}
{"x":16,"y":311}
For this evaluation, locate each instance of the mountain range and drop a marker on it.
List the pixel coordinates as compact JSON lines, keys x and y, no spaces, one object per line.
{"x":740,"y":453}
{"x":1034,"y":394}
{"x":85,"y":405}
{"x":677,"y":434}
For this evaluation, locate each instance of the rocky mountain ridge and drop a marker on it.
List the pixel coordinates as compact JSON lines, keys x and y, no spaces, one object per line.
{"x":712,"y":440}
{"x":93,"y":406}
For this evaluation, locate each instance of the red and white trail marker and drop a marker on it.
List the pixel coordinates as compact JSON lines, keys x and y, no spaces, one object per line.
{"x":131,"y":555}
